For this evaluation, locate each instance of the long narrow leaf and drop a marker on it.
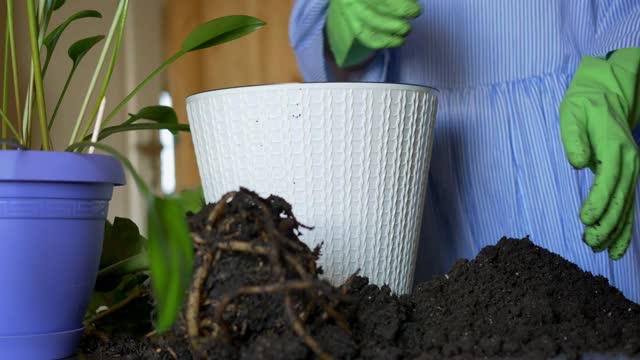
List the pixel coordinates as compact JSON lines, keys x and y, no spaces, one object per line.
{"x":14,"y":62}
{"x":76,"y":53}
{"x":5,"y":78}
{"x":51,"y":40}
{"x":107,"y":77}
{"x":171,"y":259}
{"x":7,"y":122}
{"x":35,"y":55}
{"x":122,"y":7}
{"x":174,"y":128}
{"x":43,"y":21}
{"x":28,"y":107}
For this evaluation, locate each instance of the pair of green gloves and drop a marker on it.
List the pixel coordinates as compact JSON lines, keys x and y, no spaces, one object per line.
{"x":597,"y":113}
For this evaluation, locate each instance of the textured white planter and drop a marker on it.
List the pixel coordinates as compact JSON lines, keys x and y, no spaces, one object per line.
{"x":351,"y":158}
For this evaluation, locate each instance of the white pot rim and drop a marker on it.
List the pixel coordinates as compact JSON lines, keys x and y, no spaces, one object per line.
{"x":311,"y":85}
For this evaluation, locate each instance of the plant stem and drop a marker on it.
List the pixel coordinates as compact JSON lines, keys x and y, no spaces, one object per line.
{"x":144,"y":189}
{"x":5,"y":75}
{"x":108,"y":131}
{"x":41,"y":10}
{"x":5,"y":120}
{"x":28,"y":109}
{"x":136,"y":293}
{"x":14,"y":63}
{"x":110,"y":68}
{"x":161,"y":68}
{"x":35,"y":55}
{"x":5,"y":68}
{"x":92,"y":85}
{"x":43,"y":20}
{"x":64,"y":91}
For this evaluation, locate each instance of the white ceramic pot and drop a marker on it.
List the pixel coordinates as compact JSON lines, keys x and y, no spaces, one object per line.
{"x":351,"y":158}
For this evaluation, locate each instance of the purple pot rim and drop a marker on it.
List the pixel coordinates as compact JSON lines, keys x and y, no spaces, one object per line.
{"x":60,"y":167}
{"x":32,"y":336}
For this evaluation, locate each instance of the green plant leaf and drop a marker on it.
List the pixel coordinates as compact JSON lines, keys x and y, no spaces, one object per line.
{"x":116,"y":25}
{"x":191,"y":199}
{"x":171,"y":255}
{"x":37,"y":75}
{"x":122,"y":240}
{"x":169,"y":244}
{"x":80,"y":48}
{"x":220,"y":30}
{"x":120,"y":25}
{"x":174,"y":128}
{"x":159,"y":113}
{"x":51,"y":40}
{"x":56,"y":4}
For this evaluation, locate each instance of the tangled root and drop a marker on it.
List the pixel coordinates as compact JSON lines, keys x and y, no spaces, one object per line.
{"x":257,"y":239}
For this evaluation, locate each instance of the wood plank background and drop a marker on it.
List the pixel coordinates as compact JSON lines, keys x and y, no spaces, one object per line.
{"x":263,"y":57}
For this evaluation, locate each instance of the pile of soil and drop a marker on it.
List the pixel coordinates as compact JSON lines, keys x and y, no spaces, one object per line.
{"x":257,"y":294}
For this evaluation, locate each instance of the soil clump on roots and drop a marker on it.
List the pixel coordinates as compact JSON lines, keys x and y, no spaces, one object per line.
{"x":257,"y":293}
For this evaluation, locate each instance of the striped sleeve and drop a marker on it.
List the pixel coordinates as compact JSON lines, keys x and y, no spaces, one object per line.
{"x":306,"y":36}
{"x":618,"y":26}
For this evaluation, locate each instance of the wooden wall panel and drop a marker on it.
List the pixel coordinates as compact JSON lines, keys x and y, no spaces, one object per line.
{"x":263,"y":57}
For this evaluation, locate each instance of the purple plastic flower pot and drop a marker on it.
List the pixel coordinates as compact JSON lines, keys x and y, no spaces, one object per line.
{"x":53,"y":207}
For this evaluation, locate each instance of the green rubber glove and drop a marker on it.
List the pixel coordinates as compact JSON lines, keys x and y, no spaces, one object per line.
{"x":597,"y":114}
{"x":357,"y":28}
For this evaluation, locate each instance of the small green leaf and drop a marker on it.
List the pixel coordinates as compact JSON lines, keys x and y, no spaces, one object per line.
{"x":51,"y":40}
{"x":219,"y":31}
{"x":121,"y":240}
{"x":80,"y":48}
{"x":171,"y":254}
{"x":191,"y":199}
{"x":159,"y":113}
{"x":174,"y":128}
{"x":57,"y":4}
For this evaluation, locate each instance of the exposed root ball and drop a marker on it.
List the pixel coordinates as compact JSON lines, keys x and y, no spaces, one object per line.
{"x":249,"y":266}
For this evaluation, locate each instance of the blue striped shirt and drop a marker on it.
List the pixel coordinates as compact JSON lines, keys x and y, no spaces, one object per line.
{"x":498,"y":166}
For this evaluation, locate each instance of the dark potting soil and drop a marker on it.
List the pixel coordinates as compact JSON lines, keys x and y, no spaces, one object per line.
{"x":256,"y":294}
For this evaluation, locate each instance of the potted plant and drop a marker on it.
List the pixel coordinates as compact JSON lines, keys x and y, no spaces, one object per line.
{"x":54,"y":200}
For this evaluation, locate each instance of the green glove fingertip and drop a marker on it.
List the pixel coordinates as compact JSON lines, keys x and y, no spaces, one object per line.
{"x":574,"y":137}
